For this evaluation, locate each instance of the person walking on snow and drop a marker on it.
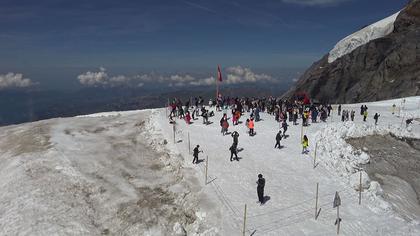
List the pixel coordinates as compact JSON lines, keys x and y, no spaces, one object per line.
{"x":260,"y":188}
{"x":195,"y":154}
{"x":278,"y":138}
{"x":376,"y":116}
{"x":224,"y":118}
{"x":284,"y":125}
{"x":305,"y":144}
{"x":233,"y":151}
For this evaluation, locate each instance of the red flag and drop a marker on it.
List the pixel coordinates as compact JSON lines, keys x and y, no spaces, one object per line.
{"x":219,"y":74}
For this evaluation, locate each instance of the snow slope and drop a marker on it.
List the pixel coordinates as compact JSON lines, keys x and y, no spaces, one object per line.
{"x":348,"y":44}
{"x":291,"y":178}
{"x":97,"y":175}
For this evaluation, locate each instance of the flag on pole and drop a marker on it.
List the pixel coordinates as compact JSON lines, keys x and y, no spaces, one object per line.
{"x":219,"y":74}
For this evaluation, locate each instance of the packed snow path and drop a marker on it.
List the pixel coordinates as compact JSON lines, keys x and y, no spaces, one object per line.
{"x":290,"y":176}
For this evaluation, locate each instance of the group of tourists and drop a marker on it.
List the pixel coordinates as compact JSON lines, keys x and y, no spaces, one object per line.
{"x":283,"y":111}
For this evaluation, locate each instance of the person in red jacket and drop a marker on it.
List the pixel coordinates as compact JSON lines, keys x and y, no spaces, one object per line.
{"x":251,"y":126}
{"x":188,"y":118}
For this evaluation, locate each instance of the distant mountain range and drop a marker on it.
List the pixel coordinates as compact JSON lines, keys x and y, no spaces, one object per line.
{"x":381,"y":61}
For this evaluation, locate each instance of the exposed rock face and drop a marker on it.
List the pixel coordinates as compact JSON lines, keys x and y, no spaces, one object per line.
{"x":384,"y":68}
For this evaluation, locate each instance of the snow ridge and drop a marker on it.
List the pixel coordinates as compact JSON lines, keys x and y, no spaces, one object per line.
{"x":377,"y":30}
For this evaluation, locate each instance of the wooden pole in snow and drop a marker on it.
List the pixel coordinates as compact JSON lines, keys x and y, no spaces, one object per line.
{"x":316,"y":201}
{"x":244,"y":226}
{"x":207,"y":167}
{"x":166,"y":108}
{"x":173,"y":130}
{"x":301,"y":132}
{"x":189,"y":144}
{"x":316,"y":147}
{"x":360,"y":189}
{"x":338,"y":219}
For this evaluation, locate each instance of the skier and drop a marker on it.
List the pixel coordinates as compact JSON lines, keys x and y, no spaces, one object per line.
{"x":352,"y":115}
{"x":305,"y":144}
{"x":376,"y":116}
{"x":195,"y":154}
{"x":278,"y":138}
{"x":233,"y":151}
{"x":260,"y":188}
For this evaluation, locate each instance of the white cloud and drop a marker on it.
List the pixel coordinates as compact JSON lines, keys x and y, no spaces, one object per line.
{"x":12,"y":80}
{"x":94,"y":78}
{"x":235,"y":75}
{"x":239,"y":74}
{"x":315,"y":2}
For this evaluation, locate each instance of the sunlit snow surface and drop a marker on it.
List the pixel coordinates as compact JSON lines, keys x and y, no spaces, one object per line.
{"x":348,"y":44}
{"x":121,"y":173}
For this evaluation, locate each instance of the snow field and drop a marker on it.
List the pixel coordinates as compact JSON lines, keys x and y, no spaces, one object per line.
{"x":291,"y":178}
{"x":93,"y":175}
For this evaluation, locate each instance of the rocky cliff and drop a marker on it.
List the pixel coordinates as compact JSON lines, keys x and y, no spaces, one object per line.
{"x":381,"y":68}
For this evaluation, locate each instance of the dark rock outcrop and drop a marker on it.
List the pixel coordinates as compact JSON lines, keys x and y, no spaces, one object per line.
{"x":384,"y":68}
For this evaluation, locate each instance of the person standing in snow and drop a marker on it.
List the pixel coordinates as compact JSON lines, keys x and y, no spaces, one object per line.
{"x":339,"y":109}
{"x":188,"y":118}
{"x":260,"y":188}
{"x":329,"y":108}
{"x":376,"y":117}
{"x":251,"y":127}
{"x":295,"y":117}
{"x":235,"y":136}
{"x":284,"y":125}
{"x":305,"y":144}
{"x":233,"y":151}
{"x":365,"y":114}
{"x":352,"y":115}
{"x":195,"y":154}
{"x":278,"y":138}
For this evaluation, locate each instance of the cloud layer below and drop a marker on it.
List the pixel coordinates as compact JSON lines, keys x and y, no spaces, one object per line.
{"x":234,"y":75}
{"x":12,"y":80}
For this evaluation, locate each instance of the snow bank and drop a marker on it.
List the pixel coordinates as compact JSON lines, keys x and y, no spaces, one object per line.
{"x":348,"y":44}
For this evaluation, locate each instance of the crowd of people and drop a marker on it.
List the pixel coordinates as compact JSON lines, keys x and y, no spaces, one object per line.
{"x":283,"y":111}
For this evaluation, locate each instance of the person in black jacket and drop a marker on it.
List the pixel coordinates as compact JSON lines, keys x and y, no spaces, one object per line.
{"x":195,"y":154}
{"x":376,"y":117}
{"x":235,"y":136}
{"x":278,"y":138}
{"x":260,"y":188}
{"x":233,"y":151}
{"x":284,"y":125}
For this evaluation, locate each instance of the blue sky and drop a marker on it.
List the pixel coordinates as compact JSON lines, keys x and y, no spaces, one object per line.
{"x":53,"y":41}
